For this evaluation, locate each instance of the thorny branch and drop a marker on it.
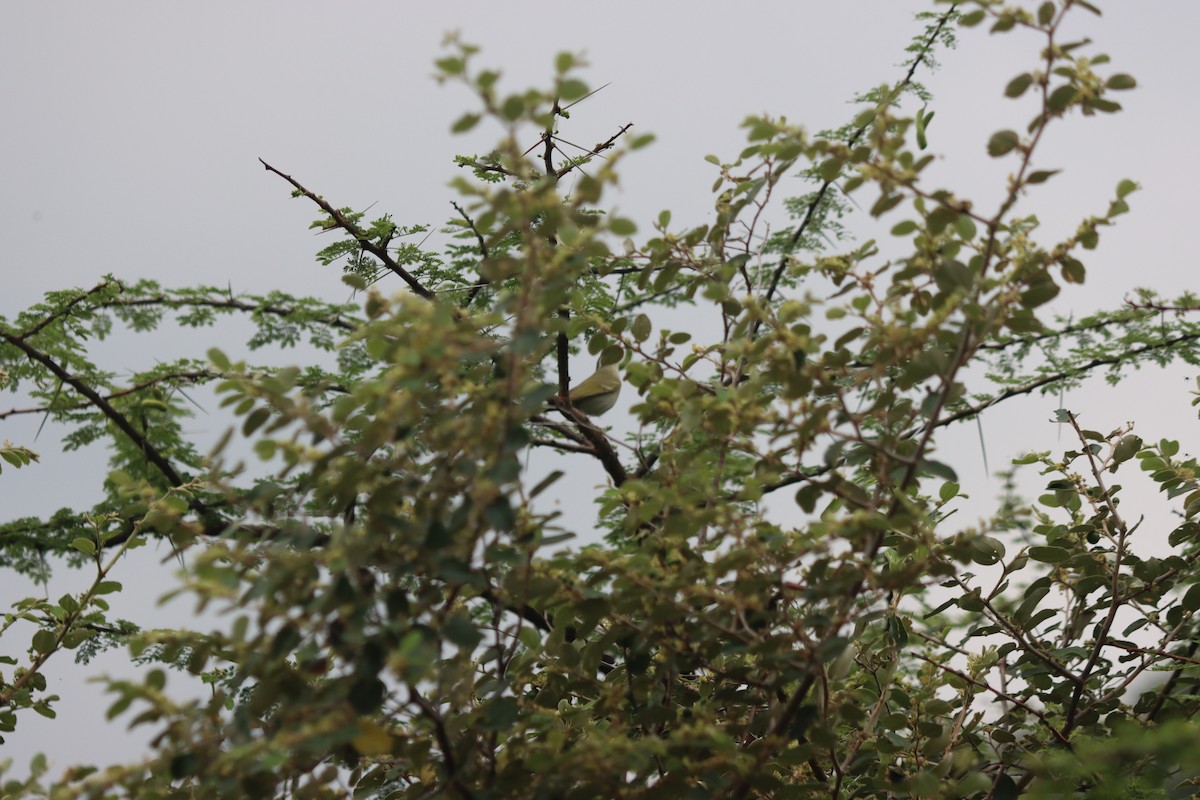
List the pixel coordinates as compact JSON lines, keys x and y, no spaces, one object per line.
{"x":815,"y":203}
{"x":375,"y":249}
{"x":116,"y":417}
{"x":1160,"y":307}
{"x":483,"y":252}
{"x":66,"y":309}
{"x":607,"y":144}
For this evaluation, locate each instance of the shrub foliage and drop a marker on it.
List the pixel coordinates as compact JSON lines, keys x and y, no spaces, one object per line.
{"x":771,"y":597}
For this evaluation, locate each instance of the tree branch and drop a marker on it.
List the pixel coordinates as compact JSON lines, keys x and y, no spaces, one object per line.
{"x":600,"y":447}
{"x":483,"y":252}
{"x":116,"y":417}
{"x":443,"y":738}
{"x":596,"y":150}
{"x":474,"y":164}
{"x":777,"y":275}
{"x":1126,"y":355}
{"x":1158,"y":307}
{"x":1058,"y":735}
{"x":65,"y":310}
{"x":191,"y":376}
{"x":349,"y":227}
{"x":231,"y":304}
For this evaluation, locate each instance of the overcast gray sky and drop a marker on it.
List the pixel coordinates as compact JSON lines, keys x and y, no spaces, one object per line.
{"x":131,"y":132}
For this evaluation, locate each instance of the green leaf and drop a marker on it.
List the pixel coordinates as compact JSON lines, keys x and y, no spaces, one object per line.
{"x":965,"y":227}
{"x":807,"y":496}
{"x":864,"y":118}
{"x":972,"y":18}
{"x":886,"y":203}
{"x":500,"y":714}
{"x":546,"y":482}
{"x":621,"y":226}
{"x":1073,"y":271}
{"x":465,"y":123}
{"x":119,"y":706}
{"x":265,"y":448}
{"x":1120,"y":82}
{"x":1005,"y":22}
{"x":1049,"y":555}
{"x":641,"y":327}
{"x":1017,"y":86}
{"x":1061,"y":97}
{"x":1002,"y":142}
{"x":450,"y":65}
{"x":219,"y":360}
{"x":1191,"y":599}
{"x":1191,"y":505}
{"x":460,"y":631}
{"x":513,"y":107}
{"x":923,"y":121}
{"x":986,"y":550}
{"x":68,"y":604}
{"x":84,"y":545}
{"x":938,"y":470}
{"x":830,"y":169}
{"x":1039,"y":293}
{"x":44,"y":641}
{"x":1126,"y":449}
{"x":75,"y":637}
{"x":572,"y":89}
{"x":255,"y":420}
{"x":1042,"y":175}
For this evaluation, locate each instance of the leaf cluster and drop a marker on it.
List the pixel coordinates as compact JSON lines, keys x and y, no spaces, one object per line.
{"x":775,"y":600}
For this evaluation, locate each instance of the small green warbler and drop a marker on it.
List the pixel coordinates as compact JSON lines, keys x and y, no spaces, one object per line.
{"x":599,"y":392}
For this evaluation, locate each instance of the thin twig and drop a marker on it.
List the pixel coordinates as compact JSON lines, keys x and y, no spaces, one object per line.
{"x":1158,"y":307}
{"x":1114,"y":519}
{"x":1016,"y":701}
{"x":66,"y":309}
{"x":475,"y":165}
{"x":380,"y":252}
{"x":813,"y":205}
{"x":1026,"y":388}
{"x":190,"y":376}
{"x":483,"y":252}
{"x":231,"y":304}
{"x":116,"y":417}
{"x":596,"y":150}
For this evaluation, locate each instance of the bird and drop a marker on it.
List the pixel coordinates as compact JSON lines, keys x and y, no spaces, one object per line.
{"x":597,"y":393}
